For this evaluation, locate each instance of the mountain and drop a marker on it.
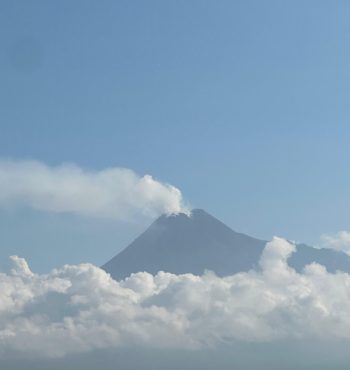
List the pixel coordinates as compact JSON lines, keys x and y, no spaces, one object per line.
{"x":181,"y":244}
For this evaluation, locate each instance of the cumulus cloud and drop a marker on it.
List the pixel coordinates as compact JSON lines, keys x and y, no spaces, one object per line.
{"x":339,"y":241}
{"x":114,"y":193}
{"x":77,"y":309}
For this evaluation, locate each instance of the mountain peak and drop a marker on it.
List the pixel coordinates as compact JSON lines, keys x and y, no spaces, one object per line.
{"x":181,"y":243}
{"x":197,"y":212}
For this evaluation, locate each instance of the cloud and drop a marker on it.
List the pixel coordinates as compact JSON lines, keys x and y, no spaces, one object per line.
{"x":113,"y":193}
{"x":80,"y":308}
{"x":339,"y":241}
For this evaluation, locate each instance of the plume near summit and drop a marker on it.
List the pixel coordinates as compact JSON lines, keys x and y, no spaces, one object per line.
{"x":112,"y":193}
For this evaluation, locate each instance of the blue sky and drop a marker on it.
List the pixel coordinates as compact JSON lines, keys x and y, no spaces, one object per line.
{"x":243,"y":105}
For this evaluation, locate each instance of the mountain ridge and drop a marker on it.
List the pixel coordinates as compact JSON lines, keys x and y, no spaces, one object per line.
{"x":192,"y":244}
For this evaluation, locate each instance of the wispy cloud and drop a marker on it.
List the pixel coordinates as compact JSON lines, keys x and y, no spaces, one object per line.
{"x":77,"y":309}
{"x":114,"y":193}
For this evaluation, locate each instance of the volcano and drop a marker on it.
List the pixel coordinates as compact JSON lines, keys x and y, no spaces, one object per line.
{"x":198,"y":242}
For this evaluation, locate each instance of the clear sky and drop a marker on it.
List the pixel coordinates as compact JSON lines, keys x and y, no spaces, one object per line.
{"x":243,"y":105}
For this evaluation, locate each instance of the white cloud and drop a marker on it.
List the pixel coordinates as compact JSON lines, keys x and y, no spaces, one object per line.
{"x":80,"y":308}
{"x":339,"y":241}
{"x":115,"y":193}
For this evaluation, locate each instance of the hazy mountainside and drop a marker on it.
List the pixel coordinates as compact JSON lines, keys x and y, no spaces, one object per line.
{"x":182,"y":244}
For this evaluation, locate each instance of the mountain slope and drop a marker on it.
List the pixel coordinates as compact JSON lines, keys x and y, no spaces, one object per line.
{"x":181,"y":244}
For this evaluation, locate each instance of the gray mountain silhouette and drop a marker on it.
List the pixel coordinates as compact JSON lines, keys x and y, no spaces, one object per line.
{"x":182,"y":244}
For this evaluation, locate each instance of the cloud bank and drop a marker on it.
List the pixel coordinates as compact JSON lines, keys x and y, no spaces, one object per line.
{"x":78,"y":309}
{"x":113,"y":193}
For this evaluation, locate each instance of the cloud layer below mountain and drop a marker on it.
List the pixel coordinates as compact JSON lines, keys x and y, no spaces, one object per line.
{"x":78,"y":309}
{"x":113,"y":193}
